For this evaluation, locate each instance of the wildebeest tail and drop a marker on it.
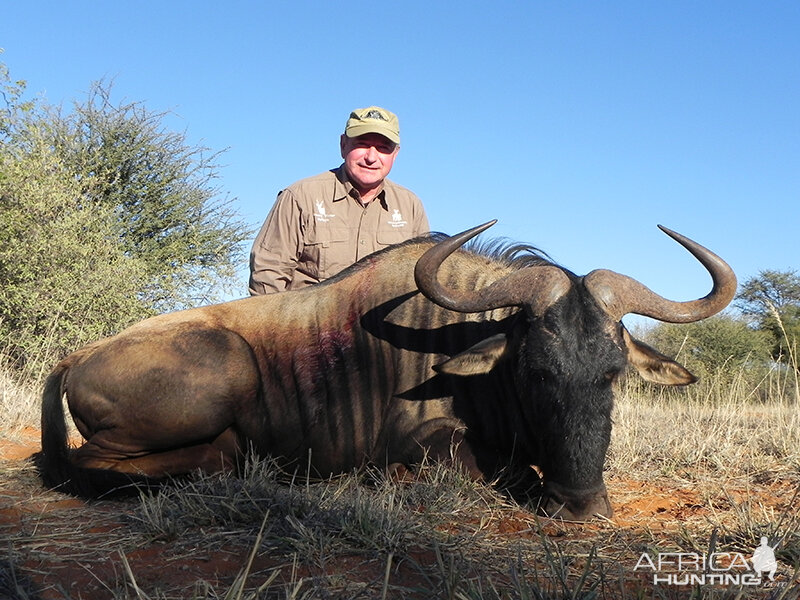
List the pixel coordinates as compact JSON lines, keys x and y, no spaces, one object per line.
{"x":56,"y":469}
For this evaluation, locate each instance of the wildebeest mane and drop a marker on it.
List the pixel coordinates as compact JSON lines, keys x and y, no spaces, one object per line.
{"x":507,"y":252}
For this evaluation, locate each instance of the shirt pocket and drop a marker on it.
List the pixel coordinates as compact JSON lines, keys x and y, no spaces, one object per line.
{"x":325,"y":252}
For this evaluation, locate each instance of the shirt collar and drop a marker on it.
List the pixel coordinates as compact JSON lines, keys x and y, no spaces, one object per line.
{"x":344,"y":189}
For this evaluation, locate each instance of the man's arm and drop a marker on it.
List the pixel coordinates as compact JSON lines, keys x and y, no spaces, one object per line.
{"x":420,"y":224}
{"x":276,"y":248}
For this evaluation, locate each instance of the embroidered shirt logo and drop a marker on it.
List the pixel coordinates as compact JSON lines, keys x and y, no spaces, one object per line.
{"x":321,"y":216}
{"x":397,"y":220}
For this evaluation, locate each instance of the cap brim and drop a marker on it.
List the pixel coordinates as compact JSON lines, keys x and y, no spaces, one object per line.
{"x":363,"y":129}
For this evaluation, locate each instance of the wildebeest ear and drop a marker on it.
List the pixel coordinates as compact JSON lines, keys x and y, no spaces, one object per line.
{"x":477,"y":360}
{"x":654,"y":366}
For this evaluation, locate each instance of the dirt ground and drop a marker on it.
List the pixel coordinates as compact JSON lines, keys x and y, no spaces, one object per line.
{"x":88,"y":551}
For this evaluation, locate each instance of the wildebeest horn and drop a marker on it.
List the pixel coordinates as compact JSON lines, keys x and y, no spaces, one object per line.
{"x":512,"y":290}
{"x":620,"y":295}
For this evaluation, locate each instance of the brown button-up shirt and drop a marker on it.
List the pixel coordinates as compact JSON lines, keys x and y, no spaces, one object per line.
{"x":317,"y":227}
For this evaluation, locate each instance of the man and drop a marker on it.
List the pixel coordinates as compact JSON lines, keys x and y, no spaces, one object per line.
{"x":322,"y":224}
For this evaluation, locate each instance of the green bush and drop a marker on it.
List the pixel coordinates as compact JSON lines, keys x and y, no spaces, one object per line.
{"x":105,"y":218}
{"x":772,"y":300}
{"x":169,"y":213}
{"x":65,"y":279}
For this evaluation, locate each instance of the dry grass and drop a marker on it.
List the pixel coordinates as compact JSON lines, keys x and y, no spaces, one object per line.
{"x":707,"y":468}
{"x":696,"y":439}
{"x":18,"y":405}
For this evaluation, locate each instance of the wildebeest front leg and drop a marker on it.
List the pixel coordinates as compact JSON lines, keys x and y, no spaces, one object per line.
{"x":444,"y":441}
{"x":444,"y":445}
{"x":481,"y":463}
{"x":448,"y":445}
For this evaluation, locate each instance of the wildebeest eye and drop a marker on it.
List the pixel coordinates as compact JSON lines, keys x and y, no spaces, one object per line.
{"x":539,"y":375}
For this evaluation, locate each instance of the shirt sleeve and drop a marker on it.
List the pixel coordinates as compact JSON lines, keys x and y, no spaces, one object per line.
{"x":276,"y":249}
{"x":420,"y":225}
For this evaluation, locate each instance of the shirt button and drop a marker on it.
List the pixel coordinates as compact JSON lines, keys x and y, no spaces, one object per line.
{"x":362,"y":242}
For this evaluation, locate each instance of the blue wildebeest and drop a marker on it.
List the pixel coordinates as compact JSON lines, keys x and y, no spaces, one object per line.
{"x":494,"y":360}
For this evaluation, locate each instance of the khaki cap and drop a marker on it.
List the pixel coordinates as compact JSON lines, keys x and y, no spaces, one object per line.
{"x":373,"y":119}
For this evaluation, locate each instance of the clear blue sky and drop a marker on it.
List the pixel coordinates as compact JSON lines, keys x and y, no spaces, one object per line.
{"x":578,"y":125}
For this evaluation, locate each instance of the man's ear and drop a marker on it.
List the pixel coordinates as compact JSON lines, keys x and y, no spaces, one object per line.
{"x":654,"y":366}
{"x":477,"y":360}
{"x":342,"y":145}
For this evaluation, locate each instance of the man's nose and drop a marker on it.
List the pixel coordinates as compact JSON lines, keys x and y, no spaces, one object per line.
{"x":371,"y":154}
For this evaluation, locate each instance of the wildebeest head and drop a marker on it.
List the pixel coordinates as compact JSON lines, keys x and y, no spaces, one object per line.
{"x":567,"y":355}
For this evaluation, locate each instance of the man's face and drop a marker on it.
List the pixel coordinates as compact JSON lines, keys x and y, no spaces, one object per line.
{"x":368,"y":159}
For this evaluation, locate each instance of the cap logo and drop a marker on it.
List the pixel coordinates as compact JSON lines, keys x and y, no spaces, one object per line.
{"x":374,"y":114}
